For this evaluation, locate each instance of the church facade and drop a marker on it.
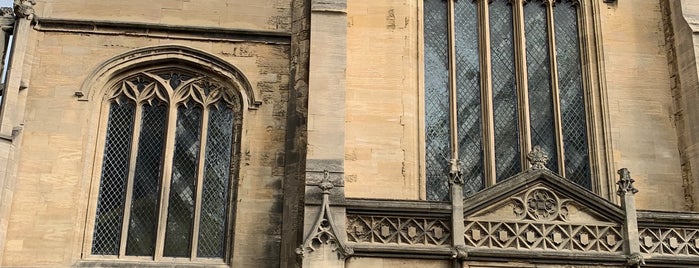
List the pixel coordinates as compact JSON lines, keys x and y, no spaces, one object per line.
{"x":362,"y":133}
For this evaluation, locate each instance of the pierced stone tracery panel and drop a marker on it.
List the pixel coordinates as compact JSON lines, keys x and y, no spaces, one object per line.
{"x":392,"y":230}
{"x":543,"y":236}
{"x":669,"y":241}
{"x":174,"y":86}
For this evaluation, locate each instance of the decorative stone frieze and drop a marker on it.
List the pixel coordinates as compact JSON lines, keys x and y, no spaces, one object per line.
{"x":669,"y":241}
{"x":531,"y":236}
{"x":393,"y":230}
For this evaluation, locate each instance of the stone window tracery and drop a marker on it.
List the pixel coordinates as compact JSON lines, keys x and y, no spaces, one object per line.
{"x":501,"y":77}
{"x":170,"y":159}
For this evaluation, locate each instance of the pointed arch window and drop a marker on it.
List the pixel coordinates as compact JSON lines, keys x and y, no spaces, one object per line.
{"x":166,"y":175}
{"x":501,"y":77}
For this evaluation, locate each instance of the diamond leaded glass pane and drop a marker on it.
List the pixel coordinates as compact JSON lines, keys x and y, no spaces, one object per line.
{"x":507,"y":152}
{"x":468,"y":96}
{"x":437,"y":148}
{"x":146,"y":187}
{"x":178,"y":233}
{"x":539,"y":76}
{"x":214,"y":206}
{"x":571,"y":93}
{"x":115,"y":170}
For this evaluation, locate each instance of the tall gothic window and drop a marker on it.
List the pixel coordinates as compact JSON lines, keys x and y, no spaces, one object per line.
{"x":168,"y":165}
{"x":501,"y":77}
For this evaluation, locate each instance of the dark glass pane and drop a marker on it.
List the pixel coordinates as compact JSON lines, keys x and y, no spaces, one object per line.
{"x":539,"y":76}
{"x":469,"y":96}
{"x":571,"y":92}
{"x":214,"y":206}
{"x":146,"y":187}
{"x":115,"y":170}
{"x":507,"y":152}
{"x":180,"y":217}
{"x":437,"y":148}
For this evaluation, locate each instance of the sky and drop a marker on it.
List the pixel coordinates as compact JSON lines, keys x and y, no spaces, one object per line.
{"x":5,"y":3}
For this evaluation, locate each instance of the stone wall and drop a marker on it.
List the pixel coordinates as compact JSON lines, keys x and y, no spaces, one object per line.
{"x":46,"y":224}
{"x":251,"y":15}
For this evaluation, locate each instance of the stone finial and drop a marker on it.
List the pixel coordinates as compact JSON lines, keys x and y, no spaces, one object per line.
{"x":455,"y":174}
{"x":325,"y":184}
{"x":625,"y":182}
{"x":538,"y":158}
{"x":24,"y":8}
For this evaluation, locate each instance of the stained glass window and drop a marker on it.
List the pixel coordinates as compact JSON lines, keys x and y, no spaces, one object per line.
{"x":528,"y":91}
{"x":133,"y":207}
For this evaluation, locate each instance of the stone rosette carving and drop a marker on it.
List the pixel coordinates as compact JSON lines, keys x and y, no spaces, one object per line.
{"x":542,"y":204}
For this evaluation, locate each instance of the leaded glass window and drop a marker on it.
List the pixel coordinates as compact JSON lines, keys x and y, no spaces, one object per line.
{"x":501,"y":77}
{"x":167,"y":167}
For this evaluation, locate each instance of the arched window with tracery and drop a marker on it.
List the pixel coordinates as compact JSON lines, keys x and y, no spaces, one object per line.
{"x":169,"y":163}
{"x":502,"y":77}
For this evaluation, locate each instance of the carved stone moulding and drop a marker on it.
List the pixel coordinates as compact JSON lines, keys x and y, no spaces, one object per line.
{"x":669,"y":241}
{"x":532,"y":236}
{"x":393,"y":230}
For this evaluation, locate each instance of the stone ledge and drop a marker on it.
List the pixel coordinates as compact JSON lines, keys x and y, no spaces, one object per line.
{"x":161,"y":31}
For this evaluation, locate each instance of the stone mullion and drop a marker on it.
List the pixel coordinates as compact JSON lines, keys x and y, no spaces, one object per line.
{"x":200,"y":180}
{"x":166,"y":178}
{"x":486,"y":94}
{"x":522,"y":81}
{"x":133,"y":155}
{"x":555,"y":89}
{"x":453,"y":113}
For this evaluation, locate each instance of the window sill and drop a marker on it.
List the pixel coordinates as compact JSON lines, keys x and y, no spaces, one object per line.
{"x":147,"y":264}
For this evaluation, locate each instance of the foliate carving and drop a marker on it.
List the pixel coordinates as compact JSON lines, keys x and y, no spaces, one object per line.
{"x":542,"y":204}
{"x":24,"y":8}
{"x":543,"y":236}
{"x":391,"y":230}
{"x":325,"y":185}
{"x":669,"y":241}
{"x":538,"y":158}
{"x":635,"y":260}
{"x":459,"y":252}
{"x":625,"y":183}
{"x":518,"y":208}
